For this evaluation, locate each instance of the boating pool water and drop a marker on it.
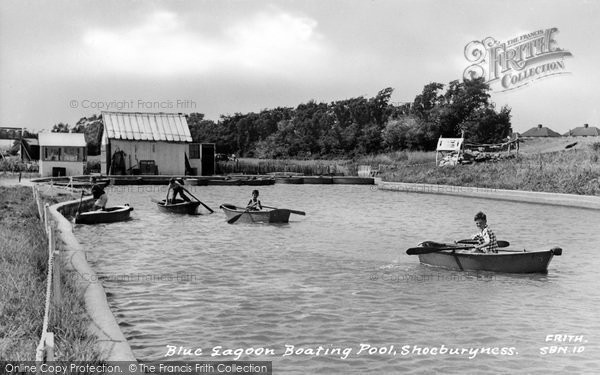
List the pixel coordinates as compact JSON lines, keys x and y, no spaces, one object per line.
{"x":339,"y":278}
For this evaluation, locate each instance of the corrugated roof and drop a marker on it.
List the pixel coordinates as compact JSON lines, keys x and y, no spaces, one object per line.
{"x":62,"y":139}
{"x":169,"y":127}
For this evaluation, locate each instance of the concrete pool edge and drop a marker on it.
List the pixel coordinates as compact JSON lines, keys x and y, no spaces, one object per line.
{"x":112,"y":344}
{"x":557,"y":199}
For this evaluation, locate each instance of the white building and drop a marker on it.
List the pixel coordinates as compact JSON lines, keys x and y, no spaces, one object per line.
{"x":62,"y":154}
{"x":144,"y":143}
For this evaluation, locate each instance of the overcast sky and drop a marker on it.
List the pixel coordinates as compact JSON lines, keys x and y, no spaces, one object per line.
{"x":62,"y":60}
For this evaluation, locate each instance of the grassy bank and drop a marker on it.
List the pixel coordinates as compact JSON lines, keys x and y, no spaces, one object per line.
{"x":23,"y":271}
{"x":541,"y":165}
{"x":571,"y":171}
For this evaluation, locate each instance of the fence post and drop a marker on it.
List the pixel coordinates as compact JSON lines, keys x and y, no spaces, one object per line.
{"x":46,"y":223}
{"x":56,"y":268}
{"x":49,"y":346}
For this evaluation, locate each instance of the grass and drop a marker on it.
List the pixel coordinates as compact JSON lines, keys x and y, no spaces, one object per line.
{"x":571,"y":171}
{"x":347,"y":167}
{"x":542,"y":165}
{"x":265,"y":166}
{"x":23,"y":271}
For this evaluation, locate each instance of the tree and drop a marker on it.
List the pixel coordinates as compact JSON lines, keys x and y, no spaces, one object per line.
{"x":92,"y":128}
{"x":488,"y":126}
{"x":61,"y":128}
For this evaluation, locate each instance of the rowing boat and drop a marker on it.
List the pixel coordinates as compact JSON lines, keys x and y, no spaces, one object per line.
{"x":290,"y":180}
{"x":108,"y":215}
{"x":179,"y":206}
{"x":507,"y":261}
{"x":275,"y":215}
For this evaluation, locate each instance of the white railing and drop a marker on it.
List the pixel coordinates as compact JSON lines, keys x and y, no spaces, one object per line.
{"x":45,"y":348}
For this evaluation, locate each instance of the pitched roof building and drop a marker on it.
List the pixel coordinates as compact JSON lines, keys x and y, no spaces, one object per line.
{"x":144,"y":143}
{"x":584,"y":131}
{"x":62,"y":154}
{"x":540,"y":131}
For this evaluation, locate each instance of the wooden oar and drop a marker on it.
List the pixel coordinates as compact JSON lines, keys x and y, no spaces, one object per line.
{"x":474,"y":242}
{"x":157,"y":201}
{"x":79,"y":207}
{"x":208,"y":208}
{"x":432,"y":246}
{"x":291,"y":211}
{"x":426,"y":249}
{"x":236,"y":217}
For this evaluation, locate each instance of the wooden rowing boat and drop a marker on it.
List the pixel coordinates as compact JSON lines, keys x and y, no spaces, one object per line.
{"x":179,"y":206}
{"x":317,"y":180}
{"x":109,"y":215}
{"x":276,"y":215}
{"x":506,"y":261}
{"x":353,"y":180}
{"x":290,"y":180}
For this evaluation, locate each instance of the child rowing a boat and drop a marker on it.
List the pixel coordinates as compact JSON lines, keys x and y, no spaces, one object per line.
{"x":486,"y":238}
{"x":178,"y":189}
{"x":99,"y":194}
{"x":254,"y":204}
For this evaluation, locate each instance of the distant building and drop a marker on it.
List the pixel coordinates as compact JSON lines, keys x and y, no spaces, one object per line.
{"x":540,"y":131}
{"x":144,"y":143}
{"x":583,"y":131}
{"x":62,"y":154}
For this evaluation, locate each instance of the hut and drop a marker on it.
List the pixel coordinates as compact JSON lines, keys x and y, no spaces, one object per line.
{"x":144,"y":143}
{"x":583,"y":131}
{"x":540,"y":131}
{"x":62,"y":154}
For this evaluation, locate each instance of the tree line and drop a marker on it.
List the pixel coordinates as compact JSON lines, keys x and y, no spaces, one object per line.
{"x":350,"y":127}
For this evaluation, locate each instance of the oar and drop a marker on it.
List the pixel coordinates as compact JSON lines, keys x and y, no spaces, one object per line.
{"x":474,"y":242}
{"x":208,"y":208}
{"x":432,"y":246}
{"x":291,"y":211}
{"x":236,"y":217}
{"x":157,"y":201}
{"x":79,"y":207}
{"x":426,"y":250}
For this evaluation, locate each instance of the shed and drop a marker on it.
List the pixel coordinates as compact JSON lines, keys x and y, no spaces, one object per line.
{"x":583,"y":131}
{"x":540,"y":131}
{"x":62,"y":154}
{"x":144,"y":143}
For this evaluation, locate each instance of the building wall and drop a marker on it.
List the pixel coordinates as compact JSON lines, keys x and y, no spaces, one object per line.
{"x":73,"y":168}
{"x":168,"y":156}
{"x":197,"y":155}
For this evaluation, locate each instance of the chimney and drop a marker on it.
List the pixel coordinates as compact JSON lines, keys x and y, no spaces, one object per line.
{"x":586,"y":126}
{"x":539,"y":126}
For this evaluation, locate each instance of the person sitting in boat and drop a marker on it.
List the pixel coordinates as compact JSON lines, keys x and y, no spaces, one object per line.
{"x":254,"y":204}
{"x":177,"y":186}
{"x":486,"y":238}
{"x":99,"y":194}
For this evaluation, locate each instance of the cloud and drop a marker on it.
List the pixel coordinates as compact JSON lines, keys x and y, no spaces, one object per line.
{"x":268,"y":42}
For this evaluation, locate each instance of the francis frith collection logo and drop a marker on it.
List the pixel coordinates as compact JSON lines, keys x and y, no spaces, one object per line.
{"x":517,"y":62}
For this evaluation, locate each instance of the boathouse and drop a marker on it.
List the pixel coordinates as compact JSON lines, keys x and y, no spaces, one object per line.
{"x":144,"y":143}
{"x":540,"y":131}
{"x":583,"y":131}
{"x":62,"y":154}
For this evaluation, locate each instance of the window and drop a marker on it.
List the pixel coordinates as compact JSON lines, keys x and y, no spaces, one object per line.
{"x":70,"y":154}
{"x":52,"y":153}
{"x":64,"y":153}
{"x":194,"y":150}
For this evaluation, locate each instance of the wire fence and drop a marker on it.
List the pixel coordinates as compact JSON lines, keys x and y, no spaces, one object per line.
{"x":45,"y":349}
